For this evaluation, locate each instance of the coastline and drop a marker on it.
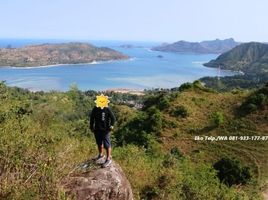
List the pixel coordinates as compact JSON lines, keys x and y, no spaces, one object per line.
{"x":122,"y":80}
{"x":94,"y":62}
{"x":138,"y":92}
{"x":227,"y":70}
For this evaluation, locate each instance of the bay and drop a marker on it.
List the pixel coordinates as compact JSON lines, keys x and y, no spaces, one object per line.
{"x":145,"y":69}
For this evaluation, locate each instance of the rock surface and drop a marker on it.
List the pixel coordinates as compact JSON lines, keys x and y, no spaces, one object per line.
{"x":99,"y":184}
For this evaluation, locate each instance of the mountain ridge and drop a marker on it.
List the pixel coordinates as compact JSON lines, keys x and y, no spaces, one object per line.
{"x":216,"y":46}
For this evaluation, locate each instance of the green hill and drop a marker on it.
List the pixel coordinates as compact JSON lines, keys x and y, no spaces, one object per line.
{"x":45,"y":135}
{"x":248,"y":57}
{"x":53,"y":54}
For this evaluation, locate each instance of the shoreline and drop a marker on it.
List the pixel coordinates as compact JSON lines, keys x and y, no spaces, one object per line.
{"x":94,"y":62}
{"x":138,"y":92}
{"x":227,"y":70}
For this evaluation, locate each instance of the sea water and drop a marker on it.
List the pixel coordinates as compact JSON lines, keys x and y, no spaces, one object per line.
{"x":145,"y":69}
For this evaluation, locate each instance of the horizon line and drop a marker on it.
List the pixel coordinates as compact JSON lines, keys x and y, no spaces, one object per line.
{"x":121,"y":40}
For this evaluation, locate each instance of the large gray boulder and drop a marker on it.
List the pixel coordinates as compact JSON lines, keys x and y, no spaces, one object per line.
{"x":99,"y":184}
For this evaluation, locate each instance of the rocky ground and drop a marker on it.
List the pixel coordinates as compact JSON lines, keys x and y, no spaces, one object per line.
{"x":96,"y":183}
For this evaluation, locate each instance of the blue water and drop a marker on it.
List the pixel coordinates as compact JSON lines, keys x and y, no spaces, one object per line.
{"x":143,"y":70}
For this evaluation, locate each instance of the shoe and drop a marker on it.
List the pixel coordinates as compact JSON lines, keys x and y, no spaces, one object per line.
{"x":85,"y":165}
{"x":107,"y":163}
{"x":100,"y":159}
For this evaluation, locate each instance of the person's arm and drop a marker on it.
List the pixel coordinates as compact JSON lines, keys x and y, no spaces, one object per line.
{"x":112,"y":117}
{"x":92,"y":119}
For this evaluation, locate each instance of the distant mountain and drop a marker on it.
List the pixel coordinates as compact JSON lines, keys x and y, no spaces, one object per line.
{"x":248,"y":57}
{"x":52,"y":54}
{"x":213,"y":46}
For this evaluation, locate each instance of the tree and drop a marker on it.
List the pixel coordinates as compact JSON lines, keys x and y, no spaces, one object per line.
{"x":232,"y":172}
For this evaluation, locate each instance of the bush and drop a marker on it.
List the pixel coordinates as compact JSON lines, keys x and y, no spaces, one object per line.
{"x":185,"y":86}
{"x":231,"y":172}
{"x":149,"y":192}
{"x":155,"y":121}
{"x":176,"y":153}
{"x":179,"y":111}
{"x":251,"y":107}
{"x":170,"y":124}
{"x":137,"y":130}
{"x":217,"y":119}
{"x":160,"y":101}
{"x":164,"y":103}
{"x":255,"y":101}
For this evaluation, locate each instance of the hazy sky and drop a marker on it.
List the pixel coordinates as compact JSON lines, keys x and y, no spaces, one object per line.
{"x":154,"y":20}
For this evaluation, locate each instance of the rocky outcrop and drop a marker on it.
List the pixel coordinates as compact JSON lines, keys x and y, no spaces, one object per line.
{"x":99,"y":184}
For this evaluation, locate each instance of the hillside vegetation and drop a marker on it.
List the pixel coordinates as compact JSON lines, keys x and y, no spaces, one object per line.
{"x":52,"y":54}
{"x":249,"y":58}
{"x":44,"y":136}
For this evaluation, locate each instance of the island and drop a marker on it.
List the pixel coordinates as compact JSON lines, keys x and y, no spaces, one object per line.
{"x":205,"y":47}
{"x":54,"y":54}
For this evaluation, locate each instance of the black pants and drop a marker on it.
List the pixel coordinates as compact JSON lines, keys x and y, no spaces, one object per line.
{"x":103,"y":138}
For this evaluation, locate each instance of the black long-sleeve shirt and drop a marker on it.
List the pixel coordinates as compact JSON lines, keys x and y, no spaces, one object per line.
{"x":102,"y":119}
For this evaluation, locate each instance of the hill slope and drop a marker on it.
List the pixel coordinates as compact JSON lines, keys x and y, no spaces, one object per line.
{"x":52,"y":54}
{"x":249,"y":57}
{"x":176,"y":118}
{"x":214,"y":46}
{"x":45,"y":135}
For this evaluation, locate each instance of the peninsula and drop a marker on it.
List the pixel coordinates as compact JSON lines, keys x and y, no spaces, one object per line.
{"x":249,"y":58}
{"x":53,"y":54}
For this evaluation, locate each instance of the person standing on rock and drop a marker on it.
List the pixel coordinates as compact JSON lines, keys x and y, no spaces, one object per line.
{"x":102,"y":120}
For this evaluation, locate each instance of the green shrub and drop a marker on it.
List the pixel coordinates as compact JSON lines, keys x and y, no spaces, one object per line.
{"x":176,"y":153}
{"x":232,"y":172}
{"x":164,"y":102}
{"x":149,"y":193}
{"x":155,"y":120}
{"x":251,"y":107}
{"x":179,"y":111}
{"x":139,"y":129}
{"x":185,"y":86}
{"x":134,"y":131}
{"x":169,"y":123}
{"x":217,"y":119}
{"x":160,"y":101}
{"x":255,"y":101}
